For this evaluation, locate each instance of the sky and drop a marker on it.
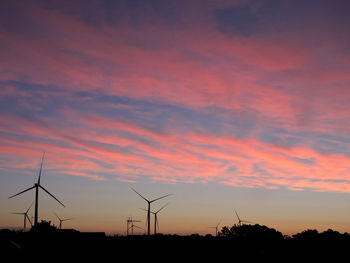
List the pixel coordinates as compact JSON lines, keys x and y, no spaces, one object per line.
{"x":226,"y":105}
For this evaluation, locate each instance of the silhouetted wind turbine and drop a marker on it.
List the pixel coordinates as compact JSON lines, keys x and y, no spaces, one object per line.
{"x":62,"y":220}
{"x":25,"y":217}
{"x":241,"y":221}
{"x":128,"y":221}
{"x":132,"y":226}
{"x":37,"y":186}
{"x":156,"y":223}
{"x":216,"y":228}
{"x":149,"y":209}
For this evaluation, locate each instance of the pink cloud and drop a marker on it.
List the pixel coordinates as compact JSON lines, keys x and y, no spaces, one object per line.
{"x":191,"y":157}
{"x":203,"y":85}
{"x":281,"y":81}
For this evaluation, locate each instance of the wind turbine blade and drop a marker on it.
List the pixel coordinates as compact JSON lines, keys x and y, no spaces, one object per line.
{"x":51,"y":195}
{"x":29,"y":220}
{"x":16,"y":213}
{"x":218,"y":223}
{"x":159,"y":198}
{"x":139,"y":194}
{"x":237,"y":215}
{"x":41,"y":167}
{"x":161,"y":208}
{"x":146,"y":220}
{"x":57,"y":216}
{"x":144,"y":209}
{"x":157,"y":222}
{"x":30,"y":207}
{"x":22,"y":192}
{"x":66,"y":219}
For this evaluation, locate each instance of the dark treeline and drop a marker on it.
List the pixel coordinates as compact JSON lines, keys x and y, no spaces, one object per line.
{"x":45,"y":243}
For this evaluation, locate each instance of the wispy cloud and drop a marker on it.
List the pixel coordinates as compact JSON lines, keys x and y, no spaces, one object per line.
{"x":191,"y":96}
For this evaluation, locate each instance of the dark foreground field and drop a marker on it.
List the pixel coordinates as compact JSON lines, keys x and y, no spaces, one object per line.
{"x":247,"y":245}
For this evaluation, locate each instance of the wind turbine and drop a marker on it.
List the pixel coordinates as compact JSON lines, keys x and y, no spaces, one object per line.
{"x":25,"y":217}
{"x":132,"y":226}
{"x":156,"y":223}
{"x":241,"y":221}
{"x":37,"y":186}
{"x":149,"y":209}
{"x":128,"y":221}
{"x":62,"y":220}
{"x":216,"y":228}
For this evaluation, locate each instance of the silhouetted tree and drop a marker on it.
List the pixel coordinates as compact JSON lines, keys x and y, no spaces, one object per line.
{"x":252,"y":232}
{"x":331,"y":235}
{"x":307,"y":235}
{"x":225,"y":231}
{"x":44,"y":227}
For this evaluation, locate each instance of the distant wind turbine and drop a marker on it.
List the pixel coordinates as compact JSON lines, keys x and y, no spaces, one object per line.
{"x":216,"y":228}
{"x":149,"y":208}
{"x":25,"y":217}
{"x":132,"y":226}
{"x":62,"y":220}
{"x":241,"y":221}
{"x":156,"y":222}
{"x":128,"y":221}
{"x":37,"y":186}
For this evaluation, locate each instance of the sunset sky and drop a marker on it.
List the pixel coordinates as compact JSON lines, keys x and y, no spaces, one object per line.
{"x":224,"y":104}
